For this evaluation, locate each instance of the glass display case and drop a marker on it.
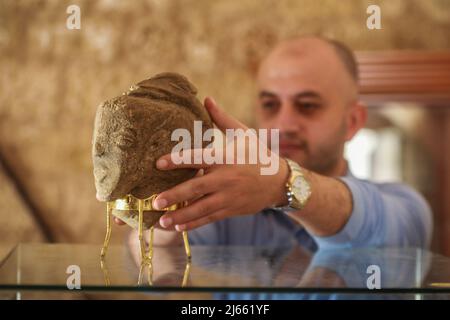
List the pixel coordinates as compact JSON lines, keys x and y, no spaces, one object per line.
{"x":75,"y":271}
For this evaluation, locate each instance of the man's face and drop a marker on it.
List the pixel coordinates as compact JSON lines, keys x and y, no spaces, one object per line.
{"x":305,"y":98}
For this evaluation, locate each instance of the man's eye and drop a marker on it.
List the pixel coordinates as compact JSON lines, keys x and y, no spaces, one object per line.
{"x":307,"y":106}
{"x":269,"y":105}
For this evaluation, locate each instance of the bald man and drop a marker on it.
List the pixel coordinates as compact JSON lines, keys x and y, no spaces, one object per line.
{"x":307,"y":88}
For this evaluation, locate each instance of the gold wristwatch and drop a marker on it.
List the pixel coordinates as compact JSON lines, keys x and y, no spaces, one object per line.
{"x":298,"y":188}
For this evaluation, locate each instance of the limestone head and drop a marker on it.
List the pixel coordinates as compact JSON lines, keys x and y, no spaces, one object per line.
{"x":134,"y":129}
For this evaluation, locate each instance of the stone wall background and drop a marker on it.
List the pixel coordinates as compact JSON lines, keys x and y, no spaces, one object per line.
{"x":52,"y":79}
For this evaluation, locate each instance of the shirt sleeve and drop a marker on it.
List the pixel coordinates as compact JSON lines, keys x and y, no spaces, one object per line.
{"x":387,"y":214}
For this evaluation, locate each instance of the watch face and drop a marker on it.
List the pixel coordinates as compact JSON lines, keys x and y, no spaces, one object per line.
{"x":301,"y":189}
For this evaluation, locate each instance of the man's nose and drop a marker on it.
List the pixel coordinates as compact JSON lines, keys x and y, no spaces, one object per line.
{"x":287,"y":119}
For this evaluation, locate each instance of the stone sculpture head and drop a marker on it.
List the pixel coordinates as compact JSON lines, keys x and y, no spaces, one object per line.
{"x":134,"y":129}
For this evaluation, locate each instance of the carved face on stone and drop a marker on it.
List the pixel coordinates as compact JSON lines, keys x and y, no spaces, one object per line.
{"x":133,"y":130}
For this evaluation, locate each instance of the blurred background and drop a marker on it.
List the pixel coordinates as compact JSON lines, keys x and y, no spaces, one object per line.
{"x":52,"y":79}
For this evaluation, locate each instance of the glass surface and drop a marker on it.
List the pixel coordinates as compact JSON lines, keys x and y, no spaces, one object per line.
{"x":227,"y":269}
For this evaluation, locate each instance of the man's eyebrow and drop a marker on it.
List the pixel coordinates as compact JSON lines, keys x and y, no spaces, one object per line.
{"x":299,"y":95}
{"x":267,"y":94}
{"x":307,"y":94}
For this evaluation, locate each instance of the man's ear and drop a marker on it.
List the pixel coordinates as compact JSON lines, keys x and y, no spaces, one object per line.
{"x":356,"y":119}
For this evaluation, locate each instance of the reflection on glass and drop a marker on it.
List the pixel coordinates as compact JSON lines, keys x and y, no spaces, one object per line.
{"x":149,"y":266}
{"x":262,"y":270}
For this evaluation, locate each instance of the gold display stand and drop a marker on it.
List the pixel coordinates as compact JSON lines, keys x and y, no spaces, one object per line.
{"x":129,"y":203}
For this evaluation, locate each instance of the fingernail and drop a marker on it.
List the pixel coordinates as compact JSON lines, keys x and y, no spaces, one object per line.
{"x":159,"y":204}
{"x":165,"y":222}
{"x":162,"y":163}
{"x":180,"y":227}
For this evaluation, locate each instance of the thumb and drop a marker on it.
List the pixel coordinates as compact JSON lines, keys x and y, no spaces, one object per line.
{"x":220,"y":118}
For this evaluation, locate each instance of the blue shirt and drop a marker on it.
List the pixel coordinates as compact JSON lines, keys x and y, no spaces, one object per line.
{"x":384,"y":214}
